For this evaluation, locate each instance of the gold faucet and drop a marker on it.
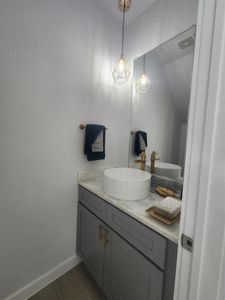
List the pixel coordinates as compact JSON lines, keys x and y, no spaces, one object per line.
{"x":153,"y":159}
{"x":142,"y":161}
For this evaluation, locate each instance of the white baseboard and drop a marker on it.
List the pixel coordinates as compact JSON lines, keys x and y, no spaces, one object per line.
{"x":41,"y":282}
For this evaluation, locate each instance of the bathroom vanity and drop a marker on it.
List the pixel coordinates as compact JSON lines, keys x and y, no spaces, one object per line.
{"x":129,"y":254}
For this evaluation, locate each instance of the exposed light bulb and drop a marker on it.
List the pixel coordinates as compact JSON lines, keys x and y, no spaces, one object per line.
{"x":121,"y":73}
{"x":143,"y":84}
{"x":143,"y":79}
{"x":121,"y":65}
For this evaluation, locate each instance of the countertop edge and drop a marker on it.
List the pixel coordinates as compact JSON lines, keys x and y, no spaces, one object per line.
{"x":154,"y":225}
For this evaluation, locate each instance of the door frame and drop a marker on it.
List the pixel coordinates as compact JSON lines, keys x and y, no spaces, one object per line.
{"x":206,"y":95}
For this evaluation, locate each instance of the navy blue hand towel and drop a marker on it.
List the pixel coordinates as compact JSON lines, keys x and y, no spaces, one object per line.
{"x":94,"y":146}
{"x":140,"y":143}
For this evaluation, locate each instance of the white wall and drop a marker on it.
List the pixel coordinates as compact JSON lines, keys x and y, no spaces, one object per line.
{"x":179,"y":75}
{"x":183,"y":144}
{"x":55,"y":72}
{"x":162,"y":21}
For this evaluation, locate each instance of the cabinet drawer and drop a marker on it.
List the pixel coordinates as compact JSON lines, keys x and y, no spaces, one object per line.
{"x":151,"y":244}
{"x":93,"y":203}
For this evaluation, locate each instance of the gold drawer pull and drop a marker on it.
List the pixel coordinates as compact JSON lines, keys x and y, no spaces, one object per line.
{"x":106,"y":238}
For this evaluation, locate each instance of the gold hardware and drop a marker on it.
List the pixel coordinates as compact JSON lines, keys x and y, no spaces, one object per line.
{"x":82,"y":126}
{"x":153,"y":159}
{"x":103,"y":235}
{"x":124,"y":6}
{"x":142,"y":161}
{"x":106,"y":238}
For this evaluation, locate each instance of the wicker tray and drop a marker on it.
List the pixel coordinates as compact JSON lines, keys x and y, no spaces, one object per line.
{"x":164,"y":220}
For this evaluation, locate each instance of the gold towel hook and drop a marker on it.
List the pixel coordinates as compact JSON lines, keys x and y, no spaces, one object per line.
{"x":82,"y":126}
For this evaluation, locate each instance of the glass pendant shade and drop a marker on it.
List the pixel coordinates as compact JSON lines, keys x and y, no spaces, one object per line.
{"x":121,"y":73}
{"x":143,"y":84}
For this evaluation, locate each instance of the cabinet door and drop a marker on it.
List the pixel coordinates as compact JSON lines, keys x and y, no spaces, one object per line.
{"x":128,"y":275}
{"x":89,"y":243}
{"x":147,"y":241}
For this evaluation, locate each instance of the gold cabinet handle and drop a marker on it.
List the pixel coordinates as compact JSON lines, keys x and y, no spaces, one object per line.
{"x":103,"y":235}
{"x":106,"y":237}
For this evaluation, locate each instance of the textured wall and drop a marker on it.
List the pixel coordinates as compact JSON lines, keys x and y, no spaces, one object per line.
{"x":55,"y":72}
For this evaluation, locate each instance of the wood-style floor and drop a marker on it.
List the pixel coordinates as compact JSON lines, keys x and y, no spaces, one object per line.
{"x":74,"y":285}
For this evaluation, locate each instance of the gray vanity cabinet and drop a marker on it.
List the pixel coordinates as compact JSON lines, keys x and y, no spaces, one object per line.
{"x":128,"y":275}
{"x":128,"y":260}
{"x":89,"y":246}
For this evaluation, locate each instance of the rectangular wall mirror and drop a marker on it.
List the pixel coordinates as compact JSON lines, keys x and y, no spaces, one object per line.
{"x":160,"y":107}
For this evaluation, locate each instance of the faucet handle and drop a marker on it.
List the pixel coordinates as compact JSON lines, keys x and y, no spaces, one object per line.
{"x":153,"y":155}
{"x":143,"y":156}
{"x":142,"y":160}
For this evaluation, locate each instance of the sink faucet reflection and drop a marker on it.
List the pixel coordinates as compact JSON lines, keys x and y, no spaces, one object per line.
{"x":142,"y":161}
{"x":153,"y":159}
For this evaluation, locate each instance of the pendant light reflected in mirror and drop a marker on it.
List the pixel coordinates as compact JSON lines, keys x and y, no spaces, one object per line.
{"x":121,"y":73}
{"x":143,"y":84}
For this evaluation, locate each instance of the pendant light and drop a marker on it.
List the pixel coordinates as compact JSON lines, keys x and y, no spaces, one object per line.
{"x":143,"y":84}
{"x":121,"y":73}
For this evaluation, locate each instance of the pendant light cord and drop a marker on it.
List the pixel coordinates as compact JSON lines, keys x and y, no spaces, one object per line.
{"x":123,"y":26}
{"x":144,"y":63}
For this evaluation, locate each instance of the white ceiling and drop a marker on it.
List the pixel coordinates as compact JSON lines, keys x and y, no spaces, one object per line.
{"x":137,"y":8}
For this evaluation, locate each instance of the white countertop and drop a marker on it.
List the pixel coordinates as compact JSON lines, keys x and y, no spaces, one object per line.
{"x":136,"y":209}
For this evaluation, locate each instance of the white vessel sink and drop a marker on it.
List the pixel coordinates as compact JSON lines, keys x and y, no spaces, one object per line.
{"x":166,"y":169}
{"x":127,"y":183}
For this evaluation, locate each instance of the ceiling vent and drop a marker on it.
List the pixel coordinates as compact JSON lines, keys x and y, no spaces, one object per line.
{"x":188,"y":42}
